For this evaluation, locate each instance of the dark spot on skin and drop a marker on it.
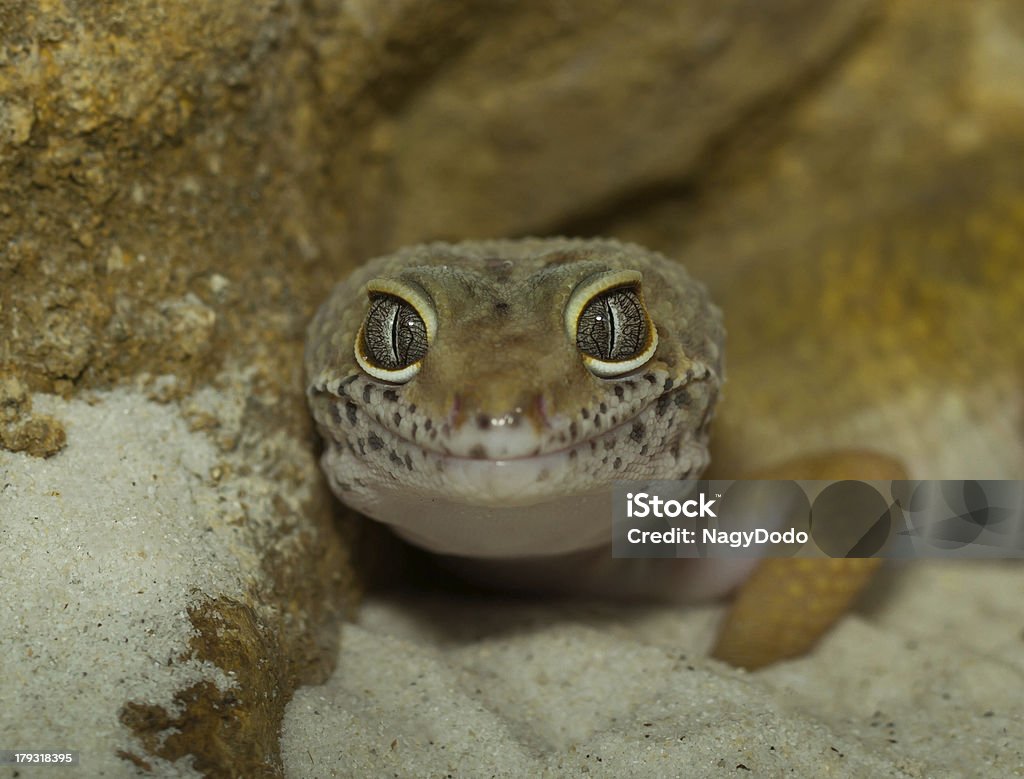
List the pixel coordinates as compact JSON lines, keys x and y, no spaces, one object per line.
{"x":367,"y":393}
{"x":427,"y":425}
{"x":408,"y":462}
{"x":501,"y":308}
{"x":638,"y":432}
{"x":562,"y":438}
{"x":643,"y":450}
{"x":572,"y":454}
{"x":615,"y":419}
{"x":593,"y":446}
{"x":617,"y":464}
{"x":478,"y":452}
{"x":350,"y":412}
{"x":415,"y":427}
{"x":573,"y":430}
{"x":398,"y":419}
{"x":609,"y":444}
{"x":393,"y":456}
{"x":604,"y":460}
{"x":597,"y":420}
{"x":668,"y":383}
{"x":604,"y":408}
{"x":483,"y":422}
{"x":390,"y":395}
{"x":662,"y":405}
{"x":682,"y":398}
{"x":619,"y":392}
{"x":348,"y":380}
{"x":375,"y":441}
{"x":412,"y":408}
{"x":585,"y":413}
{"x":362,"y":447}
{"x":650,"y":377}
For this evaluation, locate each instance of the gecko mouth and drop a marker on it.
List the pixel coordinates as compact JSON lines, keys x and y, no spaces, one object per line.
{"x":400,"y":450}
{"x":508,"y":439}
{"x":590,"y":432}
{"x":633,"y":448}
{"x":492,"y":442}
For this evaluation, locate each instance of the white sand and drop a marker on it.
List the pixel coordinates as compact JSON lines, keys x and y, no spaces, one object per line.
{"x":927,"y":680}
{"x":103,"y":548}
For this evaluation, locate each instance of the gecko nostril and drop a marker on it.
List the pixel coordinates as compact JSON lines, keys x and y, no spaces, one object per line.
{"x":511,"y":419}
{"x":541,"y":411}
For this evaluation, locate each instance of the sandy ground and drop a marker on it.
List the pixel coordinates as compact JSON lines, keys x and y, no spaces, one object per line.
{"x":104,"y":547}
{"x":925,"y":680}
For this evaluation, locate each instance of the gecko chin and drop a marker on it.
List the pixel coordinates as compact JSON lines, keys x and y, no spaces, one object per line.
{"x":512,"y":482}
{"x":493,"y":510}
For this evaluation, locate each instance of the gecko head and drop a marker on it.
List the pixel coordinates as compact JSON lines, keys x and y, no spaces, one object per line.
{"x":508,"y":374}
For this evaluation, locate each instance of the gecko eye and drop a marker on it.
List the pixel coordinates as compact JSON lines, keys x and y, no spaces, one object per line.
{"x":396,"y":332}
{"x":613,"y":331}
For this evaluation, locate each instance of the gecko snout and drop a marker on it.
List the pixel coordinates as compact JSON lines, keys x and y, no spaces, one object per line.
{"x":500,"y":430}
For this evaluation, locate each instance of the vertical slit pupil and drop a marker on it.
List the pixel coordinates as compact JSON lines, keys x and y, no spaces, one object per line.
{"x":613,"y":326}
{"x":396,"y":318}
{"x":394,"y":334}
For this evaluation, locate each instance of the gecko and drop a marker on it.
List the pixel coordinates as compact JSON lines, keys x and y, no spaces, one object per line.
{"x":481,"y":398}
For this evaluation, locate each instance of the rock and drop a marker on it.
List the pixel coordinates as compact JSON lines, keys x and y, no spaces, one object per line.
{"x":555,"y":112}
